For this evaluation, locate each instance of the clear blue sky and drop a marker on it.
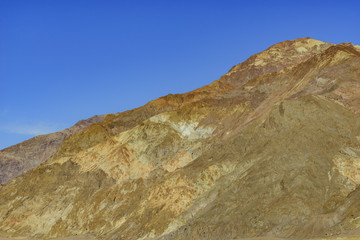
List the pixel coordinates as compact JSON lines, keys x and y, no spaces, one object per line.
{"x":62,"y":61}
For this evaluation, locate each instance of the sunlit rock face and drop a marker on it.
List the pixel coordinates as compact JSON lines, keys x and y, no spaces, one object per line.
{"x":270,"y":150}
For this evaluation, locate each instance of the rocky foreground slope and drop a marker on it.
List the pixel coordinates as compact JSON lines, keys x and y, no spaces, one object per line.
{"x":271,"y":149}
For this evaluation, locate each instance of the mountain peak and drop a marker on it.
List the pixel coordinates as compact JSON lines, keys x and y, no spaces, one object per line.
{"x":275,"y":58}
{"x":301,"y":45}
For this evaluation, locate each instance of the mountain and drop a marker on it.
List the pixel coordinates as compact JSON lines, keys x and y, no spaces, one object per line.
{"x":270,"y":150}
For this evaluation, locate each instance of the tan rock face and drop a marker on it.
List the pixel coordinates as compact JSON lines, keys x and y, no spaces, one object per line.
{"x":271,"y":150}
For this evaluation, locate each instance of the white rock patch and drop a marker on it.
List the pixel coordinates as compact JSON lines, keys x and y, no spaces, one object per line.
{"x":189,"y":129}
{"x":301,"y":50}
{"x":321,"y":80}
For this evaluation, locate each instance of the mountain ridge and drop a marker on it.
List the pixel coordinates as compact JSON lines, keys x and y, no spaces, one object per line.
{"x":12,"y":165}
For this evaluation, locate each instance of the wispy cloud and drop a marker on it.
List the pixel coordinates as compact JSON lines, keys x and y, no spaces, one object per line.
{"x":28,"y":129}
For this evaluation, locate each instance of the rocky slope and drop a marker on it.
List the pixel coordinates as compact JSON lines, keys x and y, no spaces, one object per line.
{"x":271,"y":150}
{"x":24,"y":156}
